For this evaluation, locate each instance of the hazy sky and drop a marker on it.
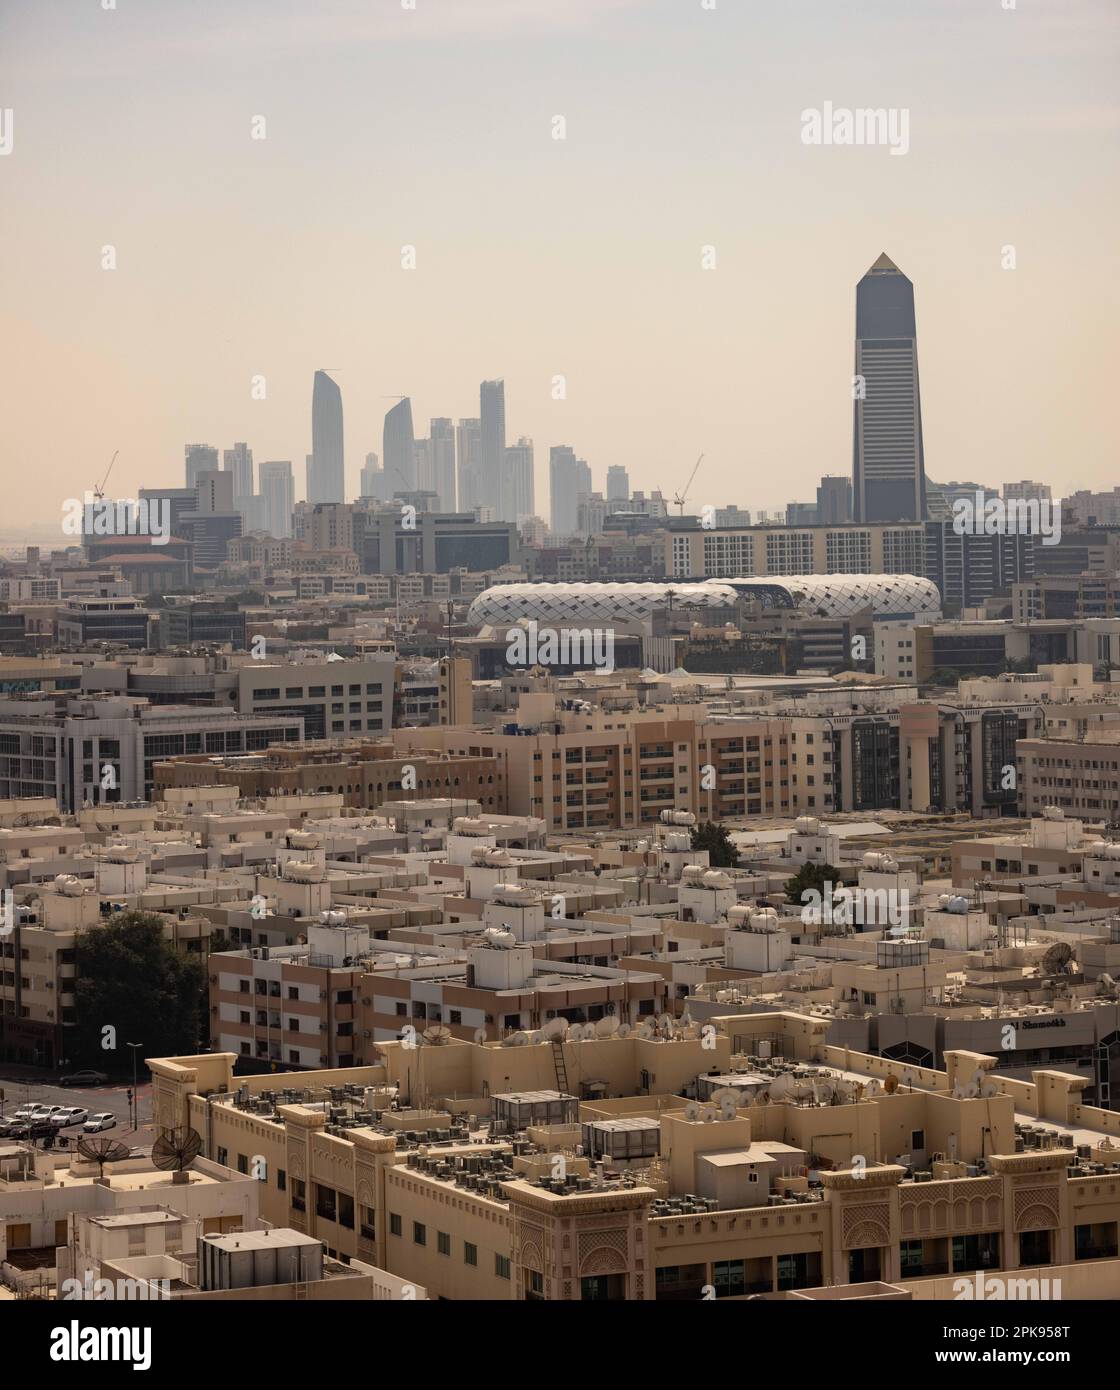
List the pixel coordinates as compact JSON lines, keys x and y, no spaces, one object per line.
{"x":432,"y":127}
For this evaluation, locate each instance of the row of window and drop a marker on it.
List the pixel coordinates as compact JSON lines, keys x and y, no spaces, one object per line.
{"x":443,"y":1245}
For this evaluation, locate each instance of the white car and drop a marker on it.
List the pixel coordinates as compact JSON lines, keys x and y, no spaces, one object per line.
{"x":70,"y":1115}
{"x":102,"y":1120}
{"x":44,"y":1112}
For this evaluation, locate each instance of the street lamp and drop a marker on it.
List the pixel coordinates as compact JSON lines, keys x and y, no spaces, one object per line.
{"x":135,"y":1102}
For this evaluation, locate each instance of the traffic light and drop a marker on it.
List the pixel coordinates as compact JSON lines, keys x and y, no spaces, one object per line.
{"x":130,"y":1095}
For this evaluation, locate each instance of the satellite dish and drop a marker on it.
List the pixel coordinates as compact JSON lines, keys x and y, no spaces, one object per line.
{"x":727,"y":1097}
{"x":786,"y":1087}
{"x":1058,"y":959}
{"x":102,"y":1151}
{"x":556,"y":1029}
{"x":606,"y":1027}
{"x":645,"y":1031}
{"x":823,"y":1091}
{"x":437,"y":1034}
{"x":872,"y":1088}
{"x":514,"y":1040}
{"x":176,"y":1149}
{"x":692,"y":1111}
{"x":624,"y":1030}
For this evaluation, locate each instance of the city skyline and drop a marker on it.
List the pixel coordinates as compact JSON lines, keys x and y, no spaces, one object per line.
{"x":167,"y":347}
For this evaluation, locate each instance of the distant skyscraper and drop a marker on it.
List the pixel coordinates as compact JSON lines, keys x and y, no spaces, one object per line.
{"x":200,"y":458}
{"x":443,"y":462}
{"x":834,"y":500}
{"x":518,"y":480}
{"x":239,"y":462}
{"x":569,"y":480}
{"x":369,"y":476}
{"x":326,"y":476}
{"x":618,"y":483}
{"x":469,"y":449}
{"x":492,"y":413}
{"x":278,"y":498}
{"x":888,"y":462}
{"x":422,"y":453}
{"x":398,"y":448}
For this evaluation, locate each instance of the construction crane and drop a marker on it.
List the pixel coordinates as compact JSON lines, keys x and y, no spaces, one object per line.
{"x":99,"y":489}
{"x":681,"y":497}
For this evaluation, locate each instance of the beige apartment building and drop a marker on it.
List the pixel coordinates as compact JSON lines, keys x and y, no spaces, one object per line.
{"x":472,"y":1185}
{"x":366,"y":775}
{"x":1081,"y":777}
{"x":602,"y":770}
{"x":756,"y":551}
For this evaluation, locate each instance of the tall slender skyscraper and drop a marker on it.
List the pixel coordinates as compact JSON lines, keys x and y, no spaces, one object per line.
{"x":569,"y":480}
{"x":443,"y":462}
{"x":468,"y":436}
{"x":398,"y":448}
{"x":422,"y":453}
{"x":492,"y":413}
{"x":278,"y":498}
{"x":326,"y":474}
{"x":239,"y":462}
{"x":888,"y":463}
{"x":618,"y":483}
{"x":517,"y":481}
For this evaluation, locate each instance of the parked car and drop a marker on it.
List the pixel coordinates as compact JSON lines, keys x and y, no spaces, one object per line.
{"x":44,"y":1112}
{"x":102,"y":1120}
{"x":70,"y":1115}
{"x":84,"y":1078}
{"x":32,"y":1129}
{"x":24,"y":1112}
{"x":7,"y":1125}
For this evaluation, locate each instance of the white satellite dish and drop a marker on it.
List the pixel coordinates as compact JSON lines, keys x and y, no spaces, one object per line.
{"x":606,"y":1027}
{"x":516,"y":1040}
{"x":692,"y":1111}
{"x":709,"y":1114}
{"x":645,"y":1031}
{"x":727,"y":1094}
{"x":556,"y":1028}
{"x":872,"y":1088}
{"x":624,"y":1030}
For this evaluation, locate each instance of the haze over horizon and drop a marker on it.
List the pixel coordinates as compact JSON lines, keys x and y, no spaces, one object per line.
{"x":432,"y":128}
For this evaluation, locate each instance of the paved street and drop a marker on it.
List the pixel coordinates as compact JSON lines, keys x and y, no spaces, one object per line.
{"x":113,"y":1097}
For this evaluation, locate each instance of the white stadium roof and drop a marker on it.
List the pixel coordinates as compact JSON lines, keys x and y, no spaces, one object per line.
{"x":816,"y":595}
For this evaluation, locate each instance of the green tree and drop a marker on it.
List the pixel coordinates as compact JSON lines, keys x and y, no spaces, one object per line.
{"x":716,"y":839}
{"x":131,"y":980}
{"x":810,"y":877}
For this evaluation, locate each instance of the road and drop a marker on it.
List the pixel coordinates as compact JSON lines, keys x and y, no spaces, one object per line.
{"x":113,"y":1097}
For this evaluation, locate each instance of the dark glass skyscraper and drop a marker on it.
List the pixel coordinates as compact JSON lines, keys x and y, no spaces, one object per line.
{"x":398,"y":448}
{"x":888,"y":463}
{"x":326,"y":473}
